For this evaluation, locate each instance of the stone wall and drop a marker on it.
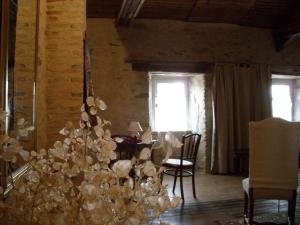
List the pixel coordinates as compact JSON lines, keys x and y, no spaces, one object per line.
{"x":58,"y":74}
{"x":60,"y":67}
{"x":65,"y":30}
{"x":126,"y":90}
{"x":197,"y":114}
{"x":24,"y":66}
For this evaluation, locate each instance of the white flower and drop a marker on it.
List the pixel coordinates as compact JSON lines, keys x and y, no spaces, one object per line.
{"x":107,"y":134}
{"x":89,"y":159}
{"x":89,"y":191}
{"x":24,"y":154}
{"x":88,"y":205}
{"x":152,"y":201}
{"x":59,"y":151}
{"x":90,"y":101}
{"x":82,"y":108}
{"x":175,"y":201}
{"x":122,"y":168}
{"x":145,"y":154}
{"x":149,"y":169}
{"x":107,"y":152}
{"x":172,"y":140}
{"x":147,"y":136}
{"x":33,"y":176}
{"x":43,"y":152}
{"x":164,"y":203}
{"x":101,"y":104}
{"x":64,"y":132}
{"x":93,"y":110}
{"x":85,"y":116}
{"x":56,"y":165}
{"x":99,"y":130}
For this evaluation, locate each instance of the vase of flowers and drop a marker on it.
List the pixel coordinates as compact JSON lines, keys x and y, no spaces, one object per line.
{"x":80,"y":181}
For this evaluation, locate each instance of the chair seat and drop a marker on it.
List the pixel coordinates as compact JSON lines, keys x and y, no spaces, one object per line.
{"x":268,"y":193}
{"x":176,"y":163}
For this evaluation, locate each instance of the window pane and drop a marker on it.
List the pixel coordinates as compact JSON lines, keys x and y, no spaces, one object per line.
{"x":281,"y":101}
{"x":170,"y":107}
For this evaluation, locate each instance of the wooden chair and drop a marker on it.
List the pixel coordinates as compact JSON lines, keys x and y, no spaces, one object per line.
{"x":273,"y":165}
{"x":187,"y":162}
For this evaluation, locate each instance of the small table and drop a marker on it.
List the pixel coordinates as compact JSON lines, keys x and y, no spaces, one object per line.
{"x":129,"y":149}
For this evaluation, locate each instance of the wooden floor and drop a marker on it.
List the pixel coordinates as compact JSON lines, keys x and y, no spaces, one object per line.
{"x":219,"y":198}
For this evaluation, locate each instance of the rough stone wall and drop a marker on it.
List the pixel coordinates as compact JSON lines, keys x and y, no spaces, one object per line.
{"x":59,"y":78}
{"x":165,"y":40}
{"x":197,"y":114}
{"x":65,"y":30}
{"x":24,"y":68}
{"x":126,"y":91}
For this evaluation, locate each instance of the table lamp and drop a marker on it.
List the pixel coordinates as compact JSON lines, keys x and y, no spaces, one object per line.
{"x":134,"y":128}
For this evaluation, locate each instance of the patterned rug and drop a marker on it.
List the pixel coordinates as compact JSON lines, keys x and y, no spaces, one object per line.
{"x":229,"y":212}
{"x":271,"y":218}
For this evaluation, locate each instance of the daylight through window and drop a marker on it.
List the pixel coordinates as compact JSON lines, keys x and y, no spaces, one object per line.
{"x":169,"y":102}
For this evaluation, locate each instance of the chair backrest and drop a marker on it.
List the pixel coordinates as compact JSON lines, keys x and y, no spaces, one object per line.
{"x":190,"y":147}
{"x":273,"y":154}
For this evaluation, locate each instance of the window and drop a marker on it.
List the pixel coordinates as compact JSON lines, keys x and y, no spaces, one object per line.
{"x":285,"y":94}
{"x":168,"y":102}
{"x":281,"y":101}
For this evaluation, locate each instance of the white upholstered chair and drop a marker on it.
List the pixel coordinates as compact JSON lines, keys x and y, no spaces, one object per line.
{"x":273,"y":165}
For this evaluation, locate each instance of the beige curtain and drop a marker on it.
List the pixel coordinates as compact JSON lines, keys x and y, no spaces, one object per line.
{"x":241,"y":93}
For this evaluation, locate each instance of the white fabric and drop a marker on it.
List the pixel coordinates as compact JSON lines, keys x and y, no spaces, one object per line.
{"x":176,"y":162}
{"x":273,"y":154}
{"x":268,"y":193}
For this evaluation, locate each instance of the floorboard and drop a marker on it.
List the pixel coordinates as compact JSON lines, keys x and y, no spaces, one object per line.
{"x":223,"y":200}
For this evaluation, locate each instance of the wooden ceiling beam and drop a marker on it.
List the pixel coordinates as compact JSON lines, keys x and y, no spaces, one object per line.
{"x":129,"y":10}
{"x":289,"y":30}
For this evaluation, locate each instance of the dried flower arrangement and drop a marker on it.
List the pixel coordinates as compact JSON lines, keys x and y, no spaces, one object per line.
{"x":80,"y":181}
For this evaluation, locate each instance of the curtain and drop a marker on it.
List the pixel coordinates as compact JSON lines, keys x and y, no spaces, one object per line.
{"x":241,"y":93}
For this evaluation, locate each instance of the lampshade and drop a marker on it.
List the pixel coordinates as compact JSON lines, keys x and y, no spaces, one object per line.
{"x":135,"y":126}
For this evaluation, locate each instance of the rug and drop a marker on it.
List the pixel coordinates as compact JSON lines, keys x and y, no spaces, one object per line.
{"x":271,"y":218}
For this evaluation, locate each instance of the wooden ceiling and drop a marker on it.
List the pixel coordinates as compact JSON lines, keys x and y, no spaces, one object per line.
{"x":255,"y":13}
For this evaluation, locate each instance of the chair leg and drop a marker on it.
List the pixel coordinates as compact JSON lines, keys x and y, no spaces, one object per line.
{"x":162,"y":177}
{"x":291,"y":209}
{"x":175,"y":179}
{"x":251,"y":208}
{"x":193,"y":181}
{"x":181,"y":185}
{"x":245,"y":204}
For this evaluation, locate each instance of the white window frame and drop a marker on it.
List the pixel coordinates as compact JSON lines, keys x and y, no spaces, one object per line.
{"x":166,"y":77}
